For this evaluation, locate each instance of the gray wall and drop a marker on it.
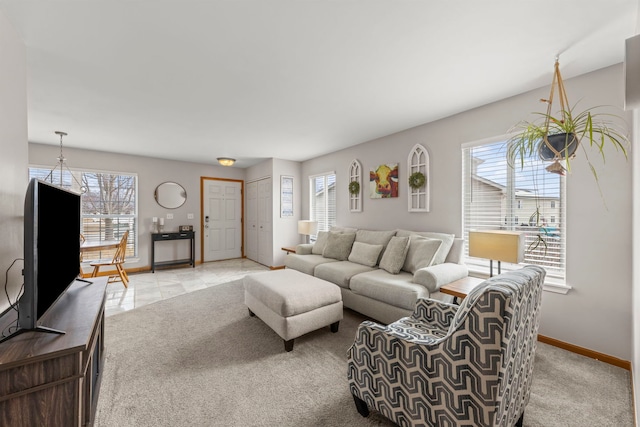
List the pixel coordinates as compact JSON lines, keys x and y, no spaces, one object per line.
{"x":284,"y":230}
{"x":13,"y":162}
{"x":151,"y":172}
{"x":596,"y":313}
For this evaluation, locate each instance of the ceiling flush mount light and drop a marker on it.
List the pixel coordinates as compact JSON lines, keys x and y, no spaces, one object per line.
{"x":226,"y":161}
{"x":63,"y":165}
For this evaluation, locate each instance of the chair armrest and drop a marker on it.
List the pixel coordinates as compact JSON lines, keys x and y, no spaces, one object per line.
{"x":304,"y":249}
{"x":439,"y":275}
{"x":435,"y":313}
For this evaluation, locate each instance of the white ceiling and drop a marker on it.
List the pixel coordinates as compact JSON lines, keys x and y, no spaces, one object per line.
{"x":290,"y":79}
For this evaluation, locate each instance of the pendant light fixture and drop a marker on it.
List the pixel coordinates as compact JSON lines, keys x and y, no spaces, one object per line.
{"x":63,"y":165}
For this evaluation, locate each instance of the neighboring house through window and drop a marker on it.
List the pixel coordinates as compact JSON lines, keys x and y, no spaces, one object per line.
{"x":493,"y":191}
{"x":322,"y":196}
{"x":108,"y":207}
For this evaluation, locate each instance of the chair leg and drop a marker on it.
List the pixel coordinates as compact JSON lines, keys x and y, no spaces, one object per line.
{"x":361,"y":406}
{"x":288,"y":345}
{"x":520,"y":420}
{"x":94,"y":273}
{"x":123,"y":275}
{"x":335,"y":326}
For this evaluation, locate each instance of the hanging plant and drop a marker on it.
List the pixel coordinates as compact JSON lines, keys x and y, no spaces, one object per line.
{"x":354,"y":187}
{"x":416,"y":180}
{"x":555,"y":137}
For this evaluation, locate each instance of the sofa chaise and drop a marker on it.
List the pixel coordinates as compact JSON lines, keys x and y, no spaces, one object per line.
{"x":382,"y":274}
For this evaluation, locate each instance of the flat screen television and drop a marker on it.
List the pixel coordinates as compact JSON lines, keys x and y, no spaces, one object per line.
{"x":51,"y":251}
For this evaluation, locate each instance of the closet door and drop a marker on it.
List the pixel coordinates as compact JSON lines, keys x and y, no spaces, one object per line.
{"x":251,"y":221}
{"x":265,"y":217}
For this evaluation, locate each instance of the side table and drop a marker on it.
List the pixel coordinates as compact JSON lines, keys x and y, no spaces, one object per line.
{"x":461,"y":288}
{"x":289,"y":249}
{"x":183,"y":235}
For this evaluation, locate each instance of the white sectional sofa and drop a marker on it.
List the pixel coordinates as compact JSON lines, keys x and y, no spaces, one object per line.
{"x":381,"y":274}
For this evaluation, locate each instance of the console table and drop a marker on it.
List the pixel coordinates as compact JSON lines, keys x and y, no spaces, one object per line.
{"x":182,"y":235}
{"x":53,"y":380}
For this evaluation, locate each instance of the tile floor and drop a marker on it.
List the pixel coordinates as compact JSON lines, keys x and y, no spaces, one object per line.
{"x":145,"y":288}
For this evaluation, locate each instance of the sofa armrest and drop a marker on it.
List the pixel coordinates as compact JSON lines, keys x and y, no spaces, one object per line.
{"x":435,"y":276}
{"x":304,"y":249}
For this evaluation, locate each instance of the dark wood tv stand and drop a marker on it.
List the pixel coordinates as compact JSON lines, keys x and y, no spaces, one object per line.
{"x":54,"y":380}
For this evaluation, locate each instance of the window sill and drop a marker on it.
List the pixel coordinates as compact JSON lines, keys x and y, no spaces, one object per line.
{"x":550,"y":284}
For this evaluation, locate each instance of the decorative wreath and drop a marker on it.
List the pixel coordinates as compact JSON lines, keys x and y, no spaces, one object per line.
{"x":354,"y":187}
{"x":416,"y":180}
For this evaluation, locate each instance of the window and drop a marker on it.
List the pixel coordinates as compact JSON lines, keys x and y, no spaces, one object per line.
{"x":492,"y":191}
{"x":109,"y":206}
{"x":322,"y":195}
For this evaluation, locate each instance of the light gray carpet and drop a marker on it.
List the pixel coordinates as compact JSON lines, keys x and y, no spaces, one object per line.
{"x":200,"y":360}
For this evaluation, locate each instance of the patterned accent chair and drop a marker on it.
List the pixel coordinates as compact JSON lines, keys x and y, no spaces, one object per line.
{"x":448,"y":365}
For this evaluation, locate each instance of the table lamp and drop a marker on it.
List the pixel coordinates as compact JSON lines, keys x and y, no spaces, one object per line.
{"x":497,"y":245}
{"x":308,"y":228}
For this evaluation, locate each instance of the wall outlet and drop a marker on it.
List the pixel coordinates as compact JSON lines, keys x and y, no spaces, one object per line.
{"x":189,"y":216}
{"x":169,"y":216}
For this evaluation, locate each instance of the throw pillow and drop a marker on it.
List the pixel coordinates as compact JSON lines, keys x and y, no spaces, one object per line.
{"x":365,"y":254}
{"x":395,"y":254}
{"x":422,"y":252}
{"x":321,"y":242}
{"x":447,"y":242}
{"x":339,"y":246}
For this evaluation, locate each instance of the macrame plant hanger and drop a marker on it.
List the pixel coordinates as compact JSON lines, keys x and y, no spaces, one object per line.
{"x":556,"y":166}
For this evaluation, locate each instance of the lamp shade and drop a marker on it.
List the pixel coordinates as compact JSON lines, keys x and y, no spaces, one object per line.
{"x":499,"y":245}
{"x":307,"y":227}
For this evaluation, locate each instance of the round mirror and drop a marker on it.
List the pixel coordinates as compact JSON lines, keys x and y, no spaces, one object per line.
{"x":170,"y":195}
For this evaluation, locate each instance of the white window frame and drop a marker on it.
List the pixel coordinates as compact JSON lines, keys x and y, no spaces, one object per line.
{"x":132,"y":241}
{"x":330,"y":221}
{"x":556,"y":281}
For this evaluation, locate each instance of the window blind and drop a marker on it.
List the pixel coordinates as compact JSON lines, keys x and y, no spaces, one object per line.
{"x":108,"y":207}
{"x":322,"y":193}
{"x":526,"y":199}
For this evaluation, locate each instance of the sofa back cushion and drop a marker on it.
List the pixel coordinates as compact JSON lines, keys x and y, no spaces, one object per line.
{"x":321,"y":242}
{"x":443,"y":251}
{"x":422,"y":253}
{"x":395,"y":254}
{"x":339,"y":246}
{"x":364,"y":253}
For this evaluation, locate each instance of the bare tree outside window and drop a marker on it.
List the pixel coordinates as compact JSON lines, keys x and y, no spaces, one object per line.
{"x":108,"y":206}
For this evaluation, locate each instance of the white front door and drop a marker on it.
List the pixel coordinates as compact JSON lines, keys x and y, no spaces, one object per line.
{"x":222,"y":217}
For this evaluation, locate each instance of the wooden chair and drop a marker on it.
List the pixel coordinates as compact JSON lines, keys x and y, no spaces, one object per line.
{"x":117,"y":262}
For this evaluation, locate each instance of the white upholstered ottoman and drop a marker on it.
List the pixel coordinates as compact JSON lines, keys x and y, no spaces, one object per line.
{"x":293,"y":303}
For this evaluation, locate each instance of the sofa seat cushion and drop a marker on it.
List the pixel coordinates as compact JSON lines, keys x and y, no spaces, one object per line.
{"x":340,"y":272}
{"x":305,"y":263}
{"x":394,"y":289}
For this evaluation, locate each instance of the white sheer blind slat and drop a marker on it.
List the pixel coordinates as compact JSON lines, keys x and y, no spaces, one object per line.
{"x":528,"y":199}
